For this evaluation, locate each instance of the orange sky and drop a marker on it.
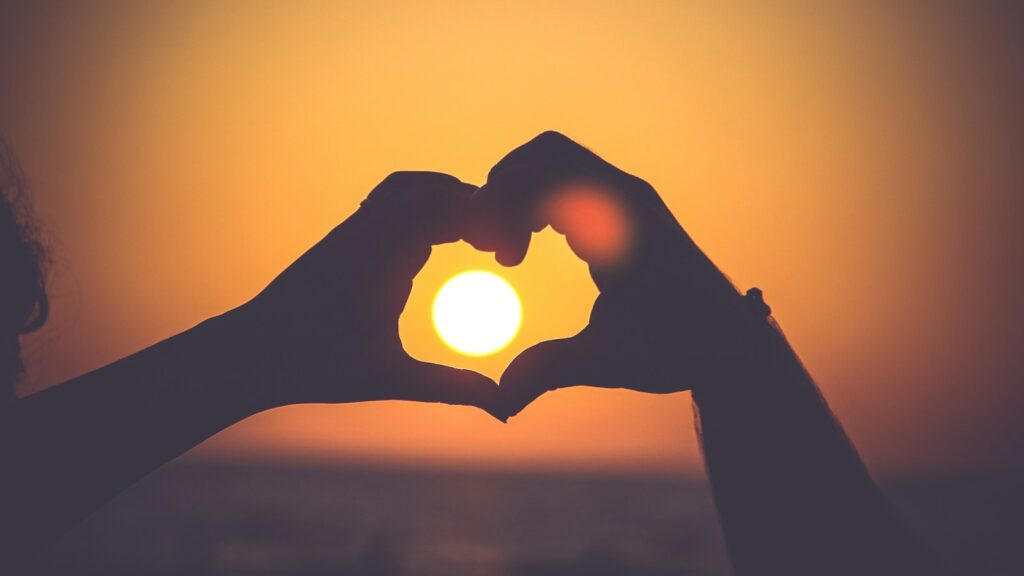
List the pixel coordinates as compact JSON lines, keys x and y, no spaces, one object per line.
{"x":860,"y":164}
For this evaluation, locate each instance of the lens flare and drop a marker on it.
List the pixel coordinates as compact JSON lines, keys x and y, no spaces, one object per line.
{"x":477,"y":313}
{"x":594,"y":221}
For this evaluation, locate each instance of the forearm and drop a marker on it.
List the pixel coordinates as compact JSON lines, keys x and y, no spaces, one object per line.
{"x":70,"y":448}
{"x":793,"y":495}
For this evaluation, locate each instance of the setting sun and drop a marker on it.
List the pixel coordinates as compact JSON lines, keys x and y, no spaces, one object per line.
{"x":477,"y":313}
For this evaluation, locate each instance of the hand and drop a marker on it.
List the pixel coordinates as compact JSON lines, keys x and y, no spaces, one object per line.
{"x":666,"y":319}
{"x":326,"y":329}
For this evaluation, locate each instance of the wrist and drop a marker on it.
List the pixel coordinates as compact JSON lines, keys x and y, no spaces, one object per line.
{"x":749,"y":350}
{"x":238,"y":345}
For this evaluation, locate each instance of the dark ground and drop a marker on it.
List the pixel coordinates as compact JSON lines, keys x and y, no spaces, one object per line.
{"x":204,"y":519}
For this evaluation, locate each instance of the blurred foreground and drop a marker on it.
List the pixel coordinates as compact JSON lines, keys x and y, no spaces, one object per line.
{"x":223,"y":519}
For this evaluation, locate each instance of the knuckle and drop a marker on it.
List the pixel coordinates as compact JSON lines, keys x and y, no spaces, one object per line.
{"x":395,"y":178}
{"x":403,"y":187}
{"x":551,"y":137}
{"x":421,"y":180}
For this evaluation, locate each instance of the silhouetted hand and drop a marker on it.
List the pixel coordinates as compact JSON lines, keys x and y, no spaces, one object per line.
{"x":326,"y":329}
{"x":666,"y":319}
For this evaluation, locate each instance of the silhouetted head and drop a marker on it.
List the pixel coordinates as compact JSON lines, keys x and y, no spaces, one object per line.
{"x":23,"y":302}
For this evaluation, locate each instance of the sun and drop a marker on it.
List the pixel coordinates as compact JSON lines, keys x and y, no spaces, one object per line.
{"x":477,"y":313}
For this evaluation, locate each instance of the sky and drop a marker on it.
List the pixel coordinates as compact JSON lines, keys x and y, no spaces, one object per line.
{"x":862,"y":164}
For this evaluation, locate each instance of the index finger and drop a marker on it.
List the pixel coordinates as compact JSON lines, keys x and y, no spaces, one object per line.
{"x":552,"y":180}
{"x":430,"y":206}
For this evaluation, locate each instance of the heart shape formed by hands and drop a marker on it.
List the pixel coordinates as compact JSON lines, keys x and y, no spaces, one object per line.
{"x":665,"y":316}
{"x":665,"y":319}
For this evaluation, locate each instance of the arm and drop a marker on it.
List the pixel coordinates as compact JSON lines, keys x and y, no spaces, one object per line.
{"x":72,"y":447}
{"x":793,"y":495}
{"x":325,"y":330}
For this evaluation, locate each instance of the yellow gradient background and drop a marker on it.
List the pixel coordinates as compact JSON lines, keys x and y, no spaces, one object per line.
{"x":859,"y":163}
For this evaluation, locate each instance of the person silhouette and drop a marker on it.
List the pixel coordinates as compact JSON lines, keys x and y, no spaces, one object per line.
{"x":792,"y":494}
{"x":325,"y":331}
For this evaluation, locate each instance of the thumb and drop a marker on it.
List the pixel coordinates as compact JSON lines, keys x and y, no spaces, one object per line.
{"x":427,"y":382}
{"x":546,"y":366}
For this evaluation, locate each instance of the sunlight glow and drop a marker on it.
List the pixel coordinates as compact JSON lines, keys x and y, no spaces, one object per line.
{"x":593,"y":220}
{"x":477,"y":313}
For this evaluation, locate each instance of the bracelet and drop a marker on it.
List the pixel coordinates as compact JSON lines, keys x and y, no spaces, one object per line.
{"x":755,"y":300}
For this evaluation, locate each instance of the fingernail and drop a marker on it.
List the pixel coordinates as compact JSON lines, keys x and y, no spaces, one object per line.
{"x":508,"y":258}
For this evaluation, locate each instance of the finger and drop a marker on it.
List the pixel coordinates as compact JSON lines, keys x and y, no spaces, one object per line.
{"x":429,"y":207}
{"x":427,"y":382}
{"x":499,"y":223}
{"x":409,"y":212}
{"x":546,"y":366}
{"x":552,"y":180}
{"x":507,"y":204}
